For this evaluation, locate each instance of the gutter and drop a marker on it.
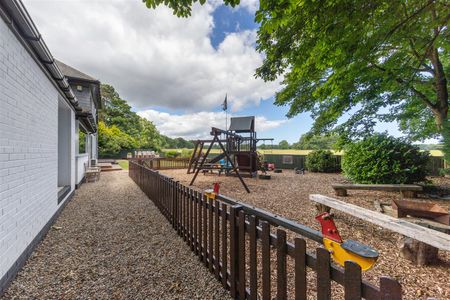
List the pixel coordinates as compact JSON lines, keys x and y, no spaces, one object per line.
{"x":17,"y":17}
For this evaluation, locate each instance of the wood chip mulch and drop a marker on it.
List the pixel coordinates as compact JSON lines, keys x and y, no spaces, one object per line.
{"x":287,"y":194}
{"x":111,"y":242}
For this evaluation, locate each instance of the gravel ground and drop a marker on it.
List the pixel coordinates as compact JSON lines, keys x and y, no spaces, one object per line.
{"x":287,"y":194}
{"x":111,"y":242}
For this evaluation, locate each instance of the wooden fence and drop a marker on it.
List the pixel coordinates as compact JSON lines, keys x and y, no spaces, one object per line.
{"x":287,"y":161}
{"x":163,"y":163}
{"x":291,"y":161}
{"x":235,"y":242}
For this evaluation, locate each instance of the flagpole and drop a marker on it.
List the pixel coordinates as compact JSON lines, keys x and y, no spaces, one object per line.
{"x":226,"y":119}
{"x":225,"y":106}
{"x":226,"y":111}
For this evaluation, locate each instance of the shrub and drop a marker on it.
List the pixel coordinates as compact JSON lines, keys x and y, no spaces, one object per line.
{"x":321,"y":161}
{"x":384,"y":159}
{"x":444,"y":172}
{"x":186,"y":153}
{"x":172,"y":154}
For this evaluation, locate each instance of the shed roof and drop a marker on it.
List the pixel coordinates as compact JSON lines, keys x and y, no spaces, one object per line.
{"x":243,"y":124}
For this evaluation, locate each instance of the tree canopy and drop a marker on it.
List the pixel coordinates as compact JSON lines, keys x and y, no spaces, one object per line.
{"x":120,"y":128}
{"x":382,"y":60}
{"x":117,"y":112}
{"x":283,"y":145}
{"x":316,"y":142}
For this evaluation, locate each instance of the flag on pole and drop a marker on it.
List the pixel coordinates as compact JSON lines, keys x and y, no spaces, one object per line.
{"x":225,"y":103}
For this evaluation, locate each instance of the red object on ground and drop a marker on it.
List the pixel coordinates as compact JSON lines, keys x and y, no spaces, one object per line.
{"x":271,"y":166}
{"x":329,"y":229}
{"x":216,"y":187}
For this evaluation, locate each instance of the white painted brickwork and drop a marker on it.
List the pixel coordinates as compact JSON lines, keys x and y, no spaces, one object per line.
{"x":28,"y":148}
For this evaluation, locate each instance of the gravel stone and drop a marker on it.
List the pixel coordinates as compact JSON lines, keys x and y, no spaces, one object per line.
{"x":111,"y":242}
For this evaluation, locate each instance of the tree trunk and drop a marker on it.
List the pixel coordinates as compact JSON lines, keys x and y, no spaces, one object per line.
{"x":440,"y":110}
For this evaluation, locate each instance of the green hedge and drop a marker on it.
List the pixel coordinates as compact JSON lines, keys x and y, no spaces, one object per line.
{"x":322,"y":161}
{"x":384,"y":159}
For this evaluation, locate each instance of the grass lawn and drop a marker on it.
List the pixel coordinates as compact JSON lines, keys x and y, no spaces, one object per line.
{"x":123,"y":163}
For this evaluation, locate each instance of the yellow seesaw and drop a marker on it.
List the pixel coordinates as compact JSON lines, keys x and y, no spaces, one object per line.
{"x":342,"y":251}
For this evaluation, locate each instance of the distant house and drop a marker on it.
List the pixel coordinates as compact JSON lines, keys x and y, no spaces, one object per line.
{"x":44,"y":105}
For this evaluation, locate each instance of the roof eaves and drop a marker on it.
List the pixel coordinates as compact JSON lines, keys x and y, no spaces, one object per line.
{"x":17,"y":17}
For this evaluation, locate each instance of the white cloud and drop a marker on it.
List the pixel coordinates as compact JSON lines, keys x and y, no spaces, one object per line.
{"x":151,"y":57}
{"x":198,"y":125}
{"x":251,"y":5}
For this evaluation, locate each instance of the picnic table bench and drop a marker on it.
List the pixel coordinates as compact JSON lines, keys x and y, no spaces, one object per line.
{"x":407,"y":190}
{"x":423,"y":243}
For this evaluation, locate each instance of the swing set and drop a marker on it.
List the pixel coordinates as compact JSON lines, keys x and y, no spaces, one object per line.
{"x":238,"y":151}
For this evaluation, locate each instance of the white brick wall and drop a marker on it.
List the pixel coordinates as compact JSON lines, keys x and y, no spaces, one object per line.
{"x":28,"y":149}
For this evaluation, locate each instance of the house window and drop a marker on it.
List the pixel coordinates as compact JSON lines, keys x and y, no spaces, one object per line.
{"x":288,"y":159}
{"x":64,"y":149}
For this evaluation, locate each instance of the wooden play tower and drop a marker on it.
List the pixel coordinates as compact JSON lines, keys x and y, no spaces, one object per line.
{"x":238,"y":151}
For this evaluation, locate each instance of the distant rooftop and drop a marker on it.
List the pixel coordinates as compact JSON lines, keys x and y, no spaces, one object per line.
{"x":71,"y":72}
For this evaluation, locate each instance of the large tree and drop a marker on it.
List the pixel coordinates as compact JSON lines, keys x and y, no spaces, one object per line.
{"x":118,"y":112}
{"x":351,"y":63}
{"x":118,"y":121}
{"x":283,"y":145}
{"x":378,"y":60}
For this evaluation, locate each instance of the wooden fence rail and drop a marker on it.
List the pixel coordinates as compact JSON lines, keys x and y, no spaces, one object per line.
{"x":236,"y":242}
{"x":163,"y":163}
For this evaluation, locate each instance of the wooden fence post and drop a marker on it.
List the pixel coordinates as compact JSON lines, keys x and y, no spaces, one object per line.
{"x":205,"y":230}
{"x":224,"y":245}
{"x":196,"y":250}
{"x":323,"y":274}
{"x":390,"y":289}
{"x":210,"y":234}
{"x":241,"y":254}
{"x":253,"y":251}
{"x":265,"y":244}
{"x":352,"y":281}
{"x":217,"y":239}
{"x":234,"y":249}
{"x":281,"y":265}
{"x":300,"y":269}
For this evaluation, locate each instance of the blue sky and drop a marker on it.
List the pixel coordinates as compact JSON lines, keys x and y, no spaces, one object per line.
{"x":227,"y":20}
{"x":173,"y":71}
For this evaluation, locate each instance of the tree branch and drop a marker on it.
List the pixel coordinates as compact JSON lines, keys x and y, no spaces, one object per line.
{"x":408,"y":18}
{"x":421,"y":95}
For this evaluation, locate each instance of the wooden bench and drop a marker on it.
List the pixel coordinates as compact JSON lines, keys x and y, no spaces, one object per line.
{"x":91,"y":173}
{"x":423,"y":242}
{"x":407,"y":190}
